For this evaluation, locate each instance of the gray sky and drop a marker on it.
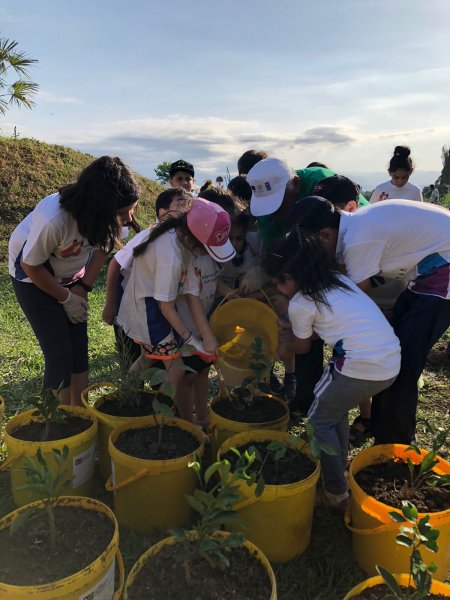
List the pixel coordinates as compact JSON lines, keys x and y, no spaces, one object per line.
{"x":341,"y":82}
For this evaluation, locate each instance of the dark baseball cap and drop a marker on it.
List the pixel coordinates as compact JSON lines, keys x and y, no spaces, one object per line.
{"x":181,"y":165}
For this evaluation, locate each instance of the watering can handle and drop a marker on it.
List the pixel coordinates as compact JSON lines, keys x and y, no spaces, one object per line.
{"x":9,"y":461}
{"x":94,"y":386}
{"x":121,"y":567}
{"x":225,"y":298}
{"x":111,"y":487}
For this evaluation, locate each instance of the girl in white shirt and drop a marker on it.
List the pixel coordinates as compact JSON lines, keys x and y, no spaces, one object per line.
{"x":366,"y":358}
{"x":398,"y":188}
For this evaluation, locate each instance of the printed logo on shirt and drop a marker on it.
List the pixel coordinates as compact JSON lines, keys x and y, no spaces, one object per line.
{"x":384,"y":196}
{"x":181,"y":280}
{"x":198,"y":274}
{"x":73,"y":250}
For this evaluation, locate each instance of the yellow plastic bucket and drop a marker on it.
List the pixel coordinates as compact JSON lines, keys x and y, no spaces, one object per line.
{"x":374,"y":532}
{"x":171,"y":540}
{"x":94,"y":582}
{"x":106,"y":423}
{"x":236,"y":324}
{"x":279,"y":521}
{"x":221,"y":428}
{"x":80,"y":461}
{"x":149,"y":495}
{"x":436,"y":587}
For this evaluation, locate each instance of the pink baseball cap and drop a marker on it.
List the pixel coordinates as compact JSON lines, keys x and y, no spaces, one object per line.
{"x":210,"y":224}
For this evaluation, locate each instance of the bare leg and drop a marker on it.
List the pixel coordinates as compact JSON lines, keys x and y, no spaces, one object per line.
{"x":79,"y":382}
{"x":64,"y":396}
{"x":184,"y":397}
{"x":365,"y":408}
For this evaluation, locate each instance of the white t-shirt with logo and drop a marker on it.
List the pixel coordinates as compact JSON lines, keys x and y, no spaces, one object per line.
{"x":49,"y":236}
{"x":201,"y":281}
{"x":400,"y":239}
{"x":355,"y":327}
{"x":158,"y":273}
{"x":388,"y":191}
{"x":125,"y":257}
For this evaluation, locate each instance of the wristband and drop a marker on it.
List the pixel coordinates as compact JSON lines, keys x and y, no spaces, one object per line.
{"x":83,"y":285}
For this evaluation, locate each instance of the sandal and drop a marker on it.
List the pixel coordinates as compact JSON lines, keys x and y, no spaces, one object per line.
{"x":360,"y":431}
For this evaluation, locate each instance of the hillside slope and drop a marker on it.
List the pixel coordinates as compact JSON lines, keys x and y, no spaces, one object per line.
{"x":30,"y":170}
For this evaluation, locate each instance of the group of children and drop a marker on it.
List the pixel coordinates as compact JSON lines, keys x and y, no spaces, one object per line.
{"x":306,"y":237}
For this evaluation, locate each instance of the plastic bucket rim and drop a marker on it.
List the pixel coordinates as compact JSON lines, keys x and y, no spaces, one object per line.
{"x":70,"y":579}
{"x":401,"y":578}
{"x":254,"y":426}
{"x":83,"y":436}
{"x":170,"y":540}
{"x":124,"y":458}
{"x":269,"y":434}
{"x":369,"y":502}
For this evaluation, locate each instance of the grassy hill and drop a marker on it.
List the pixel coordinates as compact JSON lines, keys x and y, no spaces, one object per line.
{"x":30,"y":170}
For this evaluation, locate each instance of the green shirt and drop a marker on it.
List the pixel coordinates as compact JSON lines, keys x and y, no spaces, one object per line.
{"x":270,"y":229}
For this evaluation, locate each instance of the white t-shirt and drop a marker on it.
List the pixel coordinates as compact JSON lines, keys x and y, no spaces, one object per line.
{"x":400,"y":239}
{"x":158,"y":273}
{"x":125,"y":256}
{"x":388,"y":191}
{"x":435,"y":196}
{"x":366,"y":344}
{"x":49,"y":236}
{"x":201,"y":281}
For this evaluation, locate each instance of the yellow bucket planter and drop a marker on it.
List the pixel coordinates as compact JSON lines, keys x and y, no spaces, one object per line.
{"x":374,"y":532}
{"x":94,"y":582}
{"x":106,"y":423}
{"x":279,"y":521}
{"x":221,"y":428}
{"x":149,"y":495}
{"x":171,"y":540}
{"x":80,"y":461}
{"x":436,"y":587}
{"x":236,"y":324}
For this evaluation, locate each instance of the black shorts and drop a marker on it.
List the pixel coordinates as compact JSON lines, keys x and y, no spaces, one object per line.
{"x":64,"y":344}
{"x":194,"y":362}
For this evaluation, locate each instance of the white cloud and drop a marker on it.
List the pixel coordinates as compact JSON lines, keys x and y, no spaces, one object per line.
{"x":46,"y":96}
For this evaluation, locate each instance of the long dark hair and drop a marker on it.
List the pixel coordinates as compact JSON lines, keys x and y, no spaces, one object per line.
{"x":303,"y":256}
{"x":177,"y":222}
{"x":103,"y":188}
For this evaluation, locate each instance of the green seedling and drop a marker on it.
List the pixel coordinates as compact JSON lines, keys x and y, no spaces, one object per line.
{"x":47,"y":485}
{"x":46,"y":405}
{"x":422,"y":475}
{"x":416,"y":534}
{"x":243,"y":395}
{"x":214,"y":502}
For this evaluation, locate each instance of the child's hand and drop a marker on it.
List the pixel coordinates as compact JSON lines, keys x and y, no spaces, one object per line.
{"x":109,"y":313}
{"x":210,"y":344}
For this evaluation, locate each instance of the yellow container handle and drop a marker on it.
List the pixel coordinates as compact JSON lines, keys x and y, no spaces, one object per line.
{"x":93,"y":386}
{"x":121,"y":567}
{"x":233,"y":292}
{"x":8,"y":462}
{"x":110,"y":487}
{"x":371,"y":530}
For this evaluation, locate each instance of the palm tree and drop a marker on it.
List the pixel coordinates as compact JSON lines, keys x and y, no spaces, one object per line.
{"x":20,"y":92}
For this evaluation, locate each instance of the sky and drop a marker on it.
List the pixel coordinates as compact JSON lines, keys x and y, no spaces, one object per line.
{"x":340,"y":82}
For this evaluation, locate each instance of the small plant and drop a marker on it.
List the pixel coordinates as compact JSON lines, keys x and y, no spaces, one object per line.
{"x":46,"y":405}
{"x":276,"y":450}
{"x":418,"y":533}
{"x":214,"y":502}
{"x":243,"y":395}
{"x":422,"y":475}
{"x":46,"y":484}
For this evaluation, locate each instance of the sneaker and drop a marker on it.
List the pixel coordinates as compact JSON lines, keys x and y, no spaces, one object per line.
{"x":274,"y":383}
{"x":326,"y":499}
{"x":290,"y":387}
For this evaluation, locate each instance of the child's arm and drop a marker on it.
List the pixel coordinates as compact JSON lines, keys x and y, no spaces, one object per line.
{"x":288,"y":342}
{"x":112,"y":278}
{"x":170,"y":313}
{"x":224,"y":290}
{"x":198,"y":314}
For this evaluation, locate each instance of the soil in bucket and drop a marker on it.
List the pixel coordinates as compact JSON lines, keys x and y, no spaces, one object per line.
{"x":294,"y":466}
{"x":162,"y":577}
{"x":263,"y":409}
{"x":142,"y":407}
{"x":70,"y":426}
{"x":380,"y":592}
{"x":388,"y":482}
{"x":145,"y":442}
{"x":26,"y":557}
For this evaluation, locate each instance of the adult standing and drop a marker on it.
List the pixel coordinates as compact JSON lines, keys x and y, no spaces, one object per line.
{"x":55,"y":256}
{"x":395,"y":239}
{"x":434,"y":194}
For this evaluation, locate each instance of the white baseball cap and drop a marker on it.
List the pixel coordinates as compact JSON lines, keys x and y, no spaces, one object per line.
{"x":268,"y":180}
